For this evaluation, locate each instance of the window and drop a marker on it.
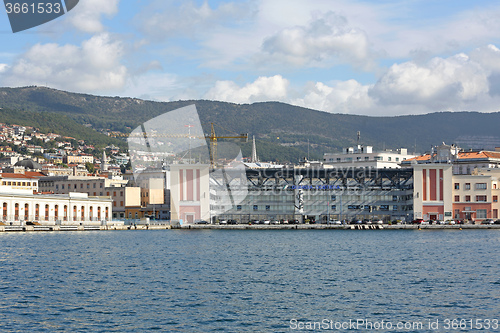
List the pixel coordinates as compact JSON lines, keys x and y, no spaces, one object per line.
{"x":481,"y":186}
{"x":384,"y":207}
{"x":495,"y":198}
{"x":62,"y":186}
{"x":334,"y":197}
{"x":238,"y":207}
{"x":395,"y":207}
{"x":457,"y":198}
{"x":495,"y":213}
{"x":94,"y":185}
{"x":88,"y":185}
{"x":467,"y":198}
{"x":389,"y":158}
{"x":467,"y":186}
{"x":481,"y":198}
{"x":334,"y":207}
{"x":457,"y":213}
{"x":394,"y":198}
{"x":338,"y":159}
{"x":367,"y":158}
{"x":268,"y":207}
{"x":255,"y":207}
{"x":457,"y":186}
{"x":481,"y":213}
{"x":397,"y":159}
{"x":378,"y":158}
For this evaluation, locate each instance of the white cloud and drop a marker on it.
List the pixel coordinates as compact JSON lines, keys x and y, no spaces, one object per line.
{"x":441,"y":83}
{"x":93,"y":66}
{"x":87,"y":15}
{"x":342,"y":97}
{"x":162,"y":19}
{"x":262,"y":89}
{"x":325,"y":38}
{"x":3,"y":68}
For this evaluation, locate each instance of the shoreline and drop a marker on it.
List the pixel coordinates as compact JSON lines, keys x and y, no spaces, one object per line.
{"x":338,"y":227}
{"x":62,"y":228}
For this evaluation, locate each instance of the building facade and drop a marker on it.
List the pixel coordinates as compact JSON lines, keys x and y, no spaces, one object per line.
{"x":20,"y":206}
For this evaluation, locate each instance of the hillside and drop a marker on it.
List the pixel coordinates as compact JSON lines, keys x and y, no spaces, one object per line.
{"x":282,"y":130}
{"x":50,"y":122}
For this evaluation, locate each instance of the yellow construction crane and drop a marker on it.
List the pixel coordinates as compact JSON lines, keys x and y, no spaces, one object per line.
{"x":212,"y":137}
{"x":213,"y":143}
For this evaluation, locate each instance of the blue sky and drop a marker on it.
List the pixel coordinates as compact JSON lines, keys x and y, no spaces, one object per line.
{"x":358,"y":57}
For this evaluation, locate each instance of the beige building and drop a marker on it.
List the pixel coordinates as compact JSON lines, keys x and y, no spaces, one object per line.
{"x":115,"y":188}
{"x":79,"y":159}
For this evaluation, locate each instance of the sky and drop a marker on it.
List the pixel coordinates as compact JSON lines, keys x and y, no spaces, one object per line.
{"x":379,"y":58}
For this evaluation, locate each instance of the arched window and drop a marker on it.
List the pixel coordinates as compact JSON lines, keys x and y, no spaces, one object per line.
{"x":37,"y":212}
{"x":46,"y":212}
{"x":74,"y":213}
{"x":56,"y":212}
{"x":16,"y":212}
{"x":83,"y":213}
{"x":98,"y":213}
{"x":26,"y":211}
{"x":90,"y":212}
{"x":4,"y":215}
{"x":107,"y":213}
{"x":65,"y":216}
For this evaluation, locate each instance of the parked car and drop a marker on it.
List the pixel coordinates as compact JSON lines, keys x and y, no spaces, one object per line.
{"x":417,"y":221}
{"x":200,"y":222}
{"x":379,"y":222}
{"x":265,"y":222}
{"x":232,"y":222}
{"x":488,"y":221}
{"x":334,"y":222}
{"x":223,"y":222}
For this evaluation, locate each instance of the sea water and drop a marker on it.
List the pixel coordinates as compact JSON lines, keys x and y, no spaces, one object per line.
{"x":250,"y":281}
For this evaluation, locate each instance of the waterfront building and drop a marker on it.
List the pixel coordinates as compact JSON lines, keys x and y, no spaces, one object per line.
{"x":454,"y":184}
{"x":364,"y":157}
{"x":190,"y":192}
{"x":113,"y":187}
{"x":20,"y":206}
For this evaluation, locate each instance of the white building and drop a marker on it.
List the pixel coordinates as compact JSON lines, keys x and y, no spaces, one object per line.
{"x":364,"y":157}
{"x":20,"y":206}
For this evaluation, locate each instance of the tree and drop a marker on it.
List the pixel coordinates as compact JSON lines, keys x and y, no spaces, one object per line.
{"x":90,"y":167}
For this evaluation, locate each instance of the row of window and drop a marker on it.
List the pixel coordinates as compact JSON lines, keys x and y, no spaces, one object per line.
{"x":6,"y":183}
{"x":74,"y":186}
{"x":478,"y":186}
{"x":366,"y":158}
{"x":55,"y":213}
{"x":334,"y":207}
{"x":479,"y":198}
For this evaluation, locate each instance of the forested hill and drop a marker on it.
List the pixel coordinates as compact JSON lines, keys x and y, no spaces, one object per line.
{"x":282,"y":131}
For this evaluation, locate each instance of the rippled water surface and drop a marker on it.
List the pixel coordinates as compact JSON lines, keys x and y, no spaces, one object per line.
{"x":245,"y":281}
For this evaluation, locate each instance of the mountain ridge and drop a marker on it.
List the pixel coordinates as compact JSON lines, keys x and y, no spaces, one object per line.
{"x":276,"y":125}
